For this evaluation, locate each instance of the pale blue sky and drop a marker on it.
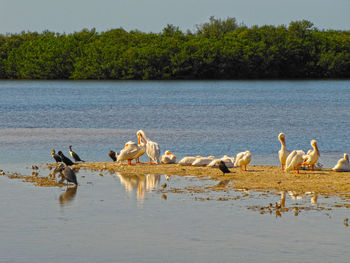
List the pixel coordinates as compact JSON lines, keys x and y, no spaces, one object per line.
{"x":153,"y":15}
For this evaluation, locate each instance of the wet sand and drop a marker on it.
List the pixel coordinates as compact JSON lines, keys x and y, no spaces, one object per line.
{"x":256,"y":177}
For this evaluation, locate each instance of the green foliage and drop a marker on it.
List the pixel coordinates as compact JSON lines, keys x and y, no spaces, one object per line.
{"x":219,"y":49}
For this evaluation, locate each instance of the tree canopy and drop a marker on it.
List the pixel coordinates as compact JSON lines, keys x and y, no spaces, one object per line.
{"x":218,"y":49}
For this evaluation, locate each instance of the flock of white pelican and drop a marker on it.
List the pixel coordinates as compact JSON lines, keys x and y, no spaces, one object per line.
{"x":298,"y":158}
{"x":290,"y":160}
{"x":133,"y":150}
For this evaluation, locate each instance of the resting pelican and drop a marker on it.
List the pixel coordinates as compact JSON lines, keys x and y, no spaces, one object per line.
{"x":168,"y":157}
{"x":188,"y":160}
{"x":283,"y":153}
{"x":243,"y":159}
{"x":312,"y":157}
{"x":152,"y":148}
{"x":128,"y":152}
{"x":203,"y":161}
{"x":294,"y":160}
{"x":343,"y":164}
{"x":229,"y":162}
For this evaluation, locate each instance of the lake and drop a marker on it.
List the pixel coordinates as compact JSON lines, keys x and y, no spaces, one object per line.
{"x":114,"y":218}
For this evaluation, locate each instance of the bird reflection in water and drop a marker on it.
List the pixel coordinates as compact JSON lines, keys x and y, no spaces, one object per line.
{"x":143,"y":183}
{"x":68,"y":196}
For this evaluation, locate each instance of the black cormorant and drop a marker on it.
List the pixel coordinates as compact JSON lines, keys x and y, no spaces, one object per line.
{"x":112,"y":155}
{"x":65,"y":159}
{"x":223,"y":168}
{"x":74,"y":155}
{"x":55,"y":156}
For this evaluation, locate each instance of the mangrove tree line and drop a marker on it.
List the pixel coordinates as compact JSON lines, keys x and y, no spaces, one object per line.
{"x":218,"y":49}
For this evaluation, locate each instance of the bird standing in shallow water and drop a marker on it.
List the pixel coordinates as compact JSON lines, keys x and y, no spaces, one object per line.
{"x":67,"y":174}
{"x":55,"y":156}
{"x":65,"y":159}
{"x":223,"y":168}
{"x":74,"y":155}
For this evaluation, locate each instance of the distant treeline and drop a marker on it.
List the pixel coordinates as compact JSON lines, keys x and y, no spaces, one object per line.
{"x":218,"y":49}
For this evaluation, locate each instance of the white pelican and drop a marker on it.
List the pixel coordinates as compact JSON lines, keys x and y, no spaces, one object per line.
{"x":142,"y":148}
{"x":128,"y":152}
{"x":243,"y":159}
{"x":229,"y":162}
{"x":343,"y":164}
{"x":283,"y":153}
{"x":312,"y":157}
{"x":294,"y":160}
{"x":203,"y":161}
{"x":168,"y":157}
{"x":188,"y":160}
{"x":152,"y":148}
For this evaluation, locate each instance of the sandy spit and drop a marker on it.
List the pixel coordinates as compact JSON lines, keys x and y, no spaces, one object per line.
{"x":256,"y":177}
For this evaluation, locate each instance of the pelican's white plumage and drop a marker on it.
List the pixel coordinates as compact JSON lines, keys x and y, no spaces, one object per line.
{"x":243,"y":159}
{"x":152,"y":148}
{"x":168,"y":157}
{"x":129,"y":152}
{"x":342,"y":165}
{"x":294,"y":160}
{"x":188,"y":160}
{"x":203,"y":161}
{"x":142,"y":148}
{"x":312,"y":156}
{"x":283,"y":152}
{"x":229,"y":162}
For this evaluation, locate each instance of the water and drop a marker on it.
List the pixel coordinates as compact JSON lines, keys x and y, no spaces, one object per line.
{"x":111,"y":219}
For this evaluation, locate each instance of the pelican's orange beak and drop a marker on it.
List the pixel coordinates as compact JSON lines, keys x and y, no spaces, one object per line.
{"x":172,"y":154}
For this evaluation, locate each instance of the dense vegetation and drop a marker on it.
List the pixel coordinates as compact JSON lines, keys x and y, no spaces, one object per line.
{"x":218,"y":49}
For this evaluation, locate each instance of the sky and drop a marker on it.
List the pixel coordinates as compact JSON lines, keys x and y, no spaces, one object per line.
{"x":68,"y":16}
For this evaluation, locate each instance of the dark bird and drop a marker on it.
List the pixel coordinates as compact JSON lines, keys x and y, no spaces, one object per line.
{"x":223,"y":168}
{"x":55,"y":156}
{"x":65,"y":159}
{"x":74,"y":155}
{"x":113,"y":155}
{"x":67,"y":174}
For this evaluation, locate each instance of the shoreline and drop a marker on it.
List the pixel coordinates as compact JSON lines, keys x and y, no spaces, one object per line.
{"x":257,"y":177}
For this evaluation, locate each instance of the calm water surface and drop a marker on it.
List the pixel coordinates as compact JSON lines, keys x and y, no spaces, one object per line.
{"x":115,"y":218}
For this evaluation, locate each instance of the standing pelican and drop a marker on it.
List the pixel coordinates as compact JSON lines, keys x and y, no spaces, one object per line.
{"x":152,"y":148}
{"x":128,"y":152}
{"x":55,"y":156}
{"x":243,"y":159}
{"x":342,"y":165}
{"x":65,"y":159}
{"x":283,"y":153}
{"x":311,"y":158}
{"x":294,"y":160}
{"x":74,"y":155}
{"x":168,"y":157}
{"x":142,"y":148}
